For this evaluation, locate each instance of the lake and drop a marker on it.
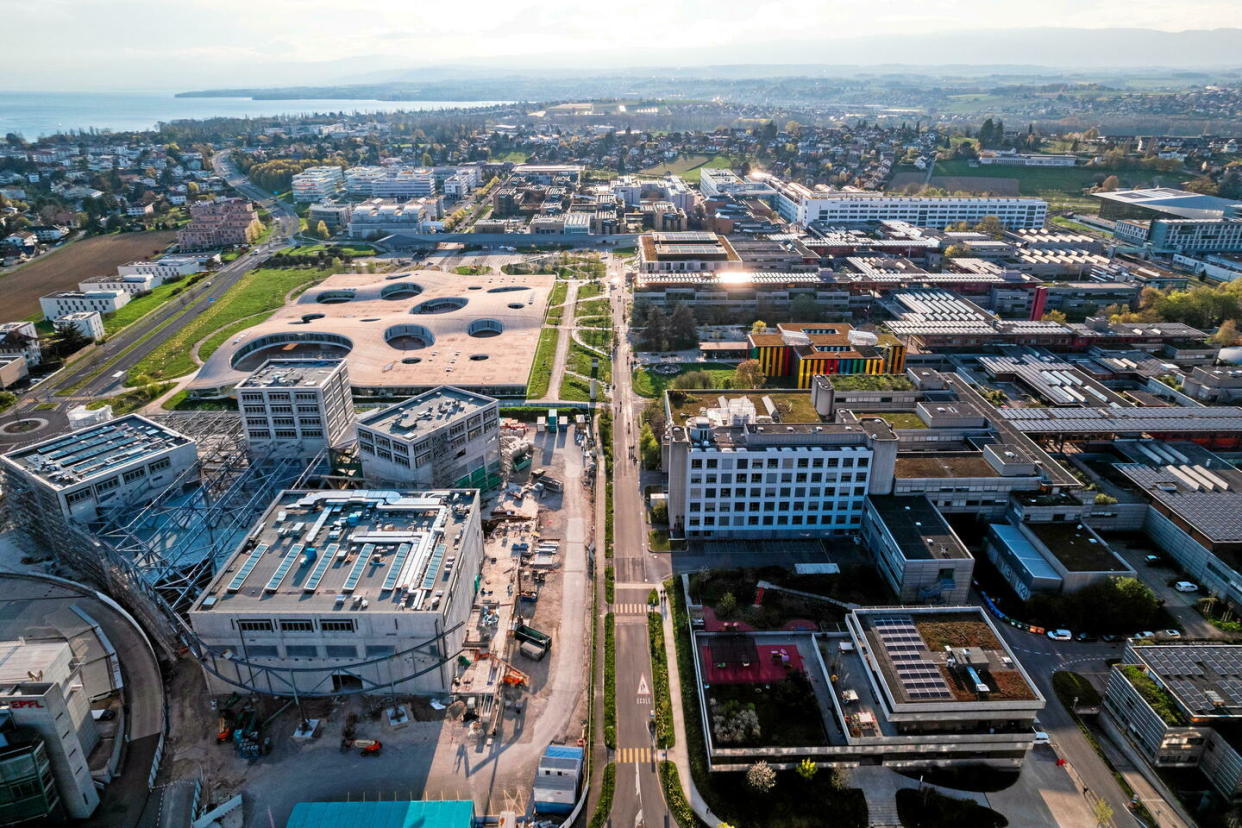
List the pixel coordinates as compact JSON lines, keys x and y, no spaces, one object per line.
{"x":33,"y":114}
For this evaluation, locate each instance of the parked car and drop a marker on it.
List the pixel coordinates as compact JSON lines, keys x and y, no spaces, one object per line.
{"x":1143,"y":635}
{"x":1085,"y":637}
{"x":1041,"y":738}
{"x":1171,"y":633}
{"x":1186,"y":586}
{"x":1111,"y":638}
{"x":1060,"y":635}
{"x":1153,"y":559}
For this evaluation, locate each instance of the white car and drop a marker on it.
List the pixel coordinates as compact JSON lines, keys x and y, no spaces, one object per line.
{"x":1171,"y":633}
{"x":1144,"y":634}
{"x":1186,"y":586}
{"x":1060,"y":635}
{"x":1041,"y":738}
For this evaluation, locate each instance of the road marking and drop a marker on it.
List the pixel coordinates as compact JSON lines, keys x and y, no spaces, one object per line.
{"x":635,"y":756}
{"x":643,"y":689}
{"x":630,"y":609}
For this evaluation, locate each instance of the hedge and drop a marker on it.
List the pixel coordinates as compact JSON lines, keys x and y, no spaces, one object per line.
{"x":659,"y":676}
{"x":604,"y":807}
{"x":610,"y":681}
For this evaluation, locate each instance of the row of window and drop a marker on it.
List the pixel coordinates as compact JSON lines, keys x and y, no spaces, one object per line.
{"x":315,"y":651}
{"x":785,"y":477}
{"x":295,"y":625}
{"x":860,"y":460}
{"x":279,"y":396}
{"x":282,"y":434}
{"x":839,"y":520}
{"x":826,"y":493}
{"x":815,"y":505}
{"x":104,"y":486}
{"x":284,"y":421}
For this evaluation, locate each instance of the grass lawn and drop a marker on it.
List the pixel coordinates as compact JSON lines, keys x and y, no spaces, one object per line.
{"x":897,"y":419}
{"x":647,"y":383}
{"x":133,"y":399}
{"x":687,"y":166}
{"x":579,"y":361}
{"x":514,"y":156}
{"x":541,"y":368}
{"x":598,"y":338}
{"x":1031,"y":180}
{"x":591,"y":307}
{"x":594,"y":322}
{"x":576,"y":389}
{"x":181,"y":402}
{"x":257,"y":295}
{"x":142,"y":305}
{"x":559,"y":291}
{"x":590,"y":290}
{"x":472,"y":270}
{"x":349,"y":251}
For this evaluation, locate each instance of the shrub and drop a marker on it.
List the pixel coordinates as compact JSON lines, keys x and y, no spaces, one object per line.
{"x":761,"y":777}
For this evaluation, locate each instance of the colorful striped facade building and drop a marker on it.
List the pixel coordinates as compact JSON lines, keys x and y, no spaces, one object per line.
{"x":801,"y":351}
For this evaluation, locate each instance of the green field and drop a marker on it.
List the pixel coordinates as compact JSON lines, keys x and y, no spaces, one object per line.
{"x":592,"y":307}
{"x":687,"y":167}
{"x":541,"y":367}
{"x":142,"y":305}
{"x":650,"y":384}
{"x":579,"y":359}
{"x":349,"y":251}
{"x":590,"y":291}
{"x":1031,"y":180}
{"x":255,"y":296}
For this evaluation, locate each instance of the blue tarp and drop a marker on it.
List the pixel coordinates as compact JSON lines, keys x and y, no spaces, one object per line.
{"x":382,"y":815}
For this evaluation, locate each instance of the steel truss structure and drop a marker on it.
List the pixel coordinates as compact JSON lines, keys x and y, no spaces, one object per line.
{"x":156,"y":561}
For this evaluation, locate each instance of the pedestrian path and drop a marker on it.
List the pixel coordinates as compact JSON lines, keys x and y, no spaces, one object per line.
{"x":635,"y":755}
{"x":631,"y":609}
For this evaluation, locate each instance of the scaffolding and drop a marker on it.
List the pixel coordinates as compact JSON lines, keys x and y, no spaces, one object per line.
{"x":155,"y":559}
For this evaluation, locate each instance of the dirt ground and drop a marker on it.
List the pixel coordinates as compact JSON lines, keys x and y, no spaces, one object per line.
{"x":64,"y":268}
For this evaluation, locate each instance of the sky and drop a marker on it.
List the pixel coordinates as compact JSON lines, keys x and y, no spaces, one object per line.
{"x":157,"y":44}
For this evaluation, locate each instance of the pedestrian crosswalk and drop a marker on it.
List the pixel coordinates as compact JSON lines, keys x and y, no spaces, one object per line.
{"x":637,"y":755}
{"x":631,"y":609}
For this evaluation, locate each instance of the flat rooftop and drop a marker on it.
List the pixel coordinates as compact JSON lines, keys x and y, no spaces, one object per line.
{"x":909,"y":650}
{"x":1092,"y":420}
{"x":1216,"y":512}
{"x":427,"y":412}
{"x":291,"y":373}
{"x":322,"y":551}
{"x":95,"y":451}
{"x":1078,"y":549}
{"x":409,"y":330}
{"x":944,"y":464}
{"x":1205,"y":679}
{"x":792,"y":406}
{"x":918,"y":528}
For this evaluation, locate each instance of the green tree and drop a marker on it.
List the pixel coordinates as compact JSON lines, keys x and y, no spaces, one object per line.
{"x":67,"y":339}
{"x":321,"y":230}
{"x":1055,"y":316}
{"x":7,"y":400}
{"x":726,"y":607}
{"x":683,"y":329}
{"x":655,"y":335}
{"x":649,"y":448}
{"x":991,"y":225}
{"x":749,"y":374}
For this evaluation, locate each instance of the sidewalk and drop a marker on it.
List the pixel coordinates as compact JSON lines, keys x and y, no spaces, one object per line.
{"x":1151,"y":790}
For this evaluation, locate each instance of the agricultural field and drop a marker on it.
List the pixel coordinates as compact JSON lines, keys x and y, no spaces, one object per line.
{"x":687,"y":166}
{"x":62,"y":269}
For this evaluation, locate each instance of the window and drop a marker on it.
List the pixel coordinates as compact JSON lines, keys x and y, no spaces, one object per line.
{"x":337,"y":625}
{"x":254,"y":624}
{"x":262,"y":650}
{"x":341,"y":651}
{"x":108,"y":485}
{"x":378,"y":650}
{"x":302,"y":651}
{"x":134,"y":474}
{"x":297,"y":625}
{"x":160,"y":464}
{"x":79,"y":496}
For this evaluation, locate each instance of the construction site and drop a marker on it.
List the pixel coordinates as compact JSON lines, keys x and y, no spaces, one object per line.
{"x":463,"y":711}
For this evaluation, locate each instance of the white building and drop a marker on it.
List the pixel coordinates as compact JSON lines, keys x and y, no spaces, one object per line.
{"x":442,"y":438}
{"x":736,"y":473}
{"x":803,"y":206}
{"x":42,"y":687}
{"x":297,"y":406}
{"x":714,"y":181}
{"x":380,"y":217}
{"x":458,"y":186}
{"x":121,"y":464}
{"x":317,"y":183}
{"x":133,"y":284}
{"x":390,"y":182}
{"x":88,"y":323}
{"x":361,"y":591}
{"x":163,"y":269}
{"x":21,"y":338}
{"x":56,"y":305}
{"x":1022,"y":159}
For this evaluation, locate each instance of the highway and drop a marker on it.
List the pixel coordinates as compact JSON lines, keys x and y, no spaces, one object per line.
{"x":103,"y":373}
{"x":639,"y":799}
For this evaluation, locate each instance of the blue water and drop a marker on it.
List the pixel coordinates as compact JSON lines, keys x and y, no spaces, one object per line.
{"x":33,"y":114}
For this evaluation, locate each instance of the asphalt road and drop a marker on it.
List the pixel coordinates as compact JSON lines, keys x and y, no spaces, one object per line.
{"x":639,"y":798}
{"x":113,"y":357}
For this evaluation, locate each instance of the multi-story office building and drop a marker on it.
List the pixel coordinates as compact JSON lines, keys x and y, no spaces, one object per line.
{"x":77,"y":477}
{"x":43,"y":693}
{"x":916,"y":550}
{"x":1187,"y":236}
{"x":164,"y":268}
{"x":686,"y":252}
{"x":715,"y":181}
{"x":761,"y":464}
{"x":382,"y":217}
{"x":64,"y":302}
{"x":802,"y":351}
{"x":317,"y":183}
{"x":220,"y":223}
{"x":132,"y":283}
{"x":340,"y":591}
{"x":27,"y":785}
{"x":1179,"y":705}
{"x":443,"y":438}
{"x":334,"y":216}
{"x":298,"y":407}
{"x":88,"y":323}
{"x":21,"y":339}
{"x":549,"y":174}
{"x":390,"y":182}
{"x":802,"y":205}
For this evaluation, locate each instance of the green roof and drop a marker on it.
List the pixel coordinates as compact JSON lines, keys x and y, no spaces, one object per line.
{"x":381,"y":815}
